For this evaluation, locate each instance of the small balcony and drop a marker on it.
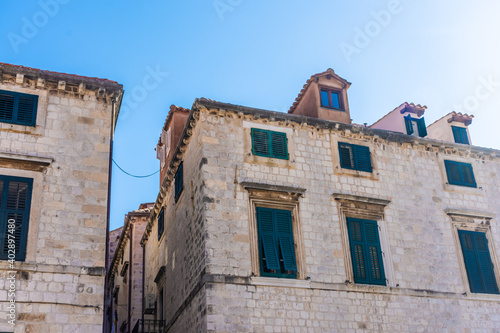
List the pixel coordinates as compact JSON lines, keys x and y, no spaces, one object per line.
{"x":149,"y":326}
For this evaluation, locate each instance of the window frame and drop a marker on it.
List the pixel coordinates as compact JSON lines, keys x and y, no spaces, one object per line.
{"x":269,"y":143}
{"x":17,"y":96}
{"x":480,"y":222}
{"x":460,"y":134}
{"x":355,"y":151}
{"x":275,"y":197}
{"x":23,"y":237}
{"x":330,"y":91}
{"x":448,"y":163}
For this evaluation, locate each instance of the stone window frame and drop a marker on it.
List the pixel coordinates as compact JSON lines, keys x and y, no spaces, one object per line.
{"x":337,"y":168}
{"x":369,"y":209}
{"x":458,"y":188}
{"x":269,"y":161}
{"x":473,"y":221}
{"x":26,"y":166}
{"x":275,"y":197}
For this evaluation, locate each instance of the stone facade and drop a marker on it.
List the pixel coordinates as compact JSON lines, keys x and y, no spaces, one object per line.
{"x":209,"y":250}
{"x":124,"y":289}
{"x":59,"y":285}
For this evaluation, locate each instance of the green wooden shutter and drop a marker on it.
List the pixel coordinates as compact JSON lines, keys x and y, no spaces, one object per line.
{"x":478,"y":263}
{"x":179,"y":181}
{"x":362,"y":158}
{"x":467,"y":175}
{"x":285,"y":237}
{"x":346,"y":156}
{"x":260,"y":144}
{"x":267,"y":238}
{"x":6,"y":107}
{"x":409,"y":125}
{"x":453,"y":172}
{"x":15,"y":205}
{"x":460,"y":135}
{"x":422,"y":130}
{"x":161,"y":223}
{"x":366,"y":253}
{"x":18,"y":108}
{"x":278,"y":145}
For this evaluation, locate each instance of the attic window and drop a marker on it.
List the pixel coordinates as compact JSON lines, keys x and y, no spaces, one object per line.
{"x":331,"y":99}
{"x":415,"y":126}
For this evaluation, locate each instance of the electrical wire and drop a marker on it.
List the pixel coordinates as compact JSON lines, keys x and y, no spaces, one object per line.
{"x":131,"y":175}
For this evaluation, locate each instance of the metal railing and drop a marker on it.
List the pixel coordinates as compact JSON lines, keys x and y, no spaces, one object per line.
{"x":149,"y":326}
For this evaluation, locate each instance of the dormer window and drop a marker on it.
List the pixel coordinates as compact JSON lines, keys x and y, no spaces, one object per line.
{"x":331,"y":99}
{"x":415,"y":126}
{"x":460,"y":135}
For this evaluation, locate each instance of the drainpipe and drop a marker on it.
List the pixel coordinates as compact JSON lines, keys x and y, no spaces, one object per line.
{"x":108,"y":212}
{"x":130,"y":257}
{"x":143,"y":283}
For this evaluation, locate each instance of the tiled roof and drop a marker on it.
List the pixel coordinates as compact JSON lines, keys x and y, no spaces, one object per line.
{"x":457,"y":116}
{"x":328,"y":72}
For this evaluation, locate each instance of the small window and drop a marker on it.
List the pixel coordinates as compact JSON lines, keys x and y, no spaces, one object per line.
{"x":15,"y":203}
{"x":269,"y":144}
{"x":17,"y":108}
{"x":161,"y":223}
{"x":355,"y":157}
{"x":460,"y":135}
{"x":477,"y":261}
{"x":460,"y":173}
{"x":366,"y":253}
{"x":276,"y":246}
{"x":331,"y":99}
{"x":415,"y":126}
{"x":179,"y":182}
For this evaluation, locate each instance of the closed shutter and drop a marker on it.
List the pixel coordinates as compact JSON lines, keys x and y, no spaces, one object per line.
{"x":366,"y":253}
{"x":467,"y":175}
{"x":17,"y":108}
{"x":285,"y":237}
{"x":478,"y":263}
{"x":409,"y":125}
{"x":453,"y":172}
{"x":161,"y":223}
{"x":15,"y":206}
{"x":179,"y":181}
{"x":260,"y":145}
{"x":422,"y":130}
{"x":267,"y":237}
{"x":278,"y":145}
{"x":460,"y":135}
{"x":362,"y":158}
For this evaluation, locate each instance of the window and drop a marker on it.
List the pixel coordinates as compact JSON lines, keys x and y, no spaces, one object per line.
{"x":15,"y":203}
{"x":161,"y":223}
{"x":179,"y":182}
{"x":355,"y":157}
{"x":366,"y":253}
{"x":331,"y":99}
{"x":477,"y":261}
{"x":415,"y":126}
{"x":17,"y":108}
{"x":460,"y":173}
{"x":460,"y":135}
{"x":276,"y":246}
{"x":269,"y":144}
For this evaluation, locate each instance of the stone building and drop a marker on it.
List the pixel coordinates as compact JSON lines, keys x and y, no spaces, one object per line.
{"x":304,"y":222}
{"x":124,"y":288}
{"x":55,"y":136}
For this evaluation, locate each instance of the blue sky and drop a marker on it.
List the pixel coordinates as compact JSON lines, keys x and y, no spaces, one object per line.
{"x":259,"y":53}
